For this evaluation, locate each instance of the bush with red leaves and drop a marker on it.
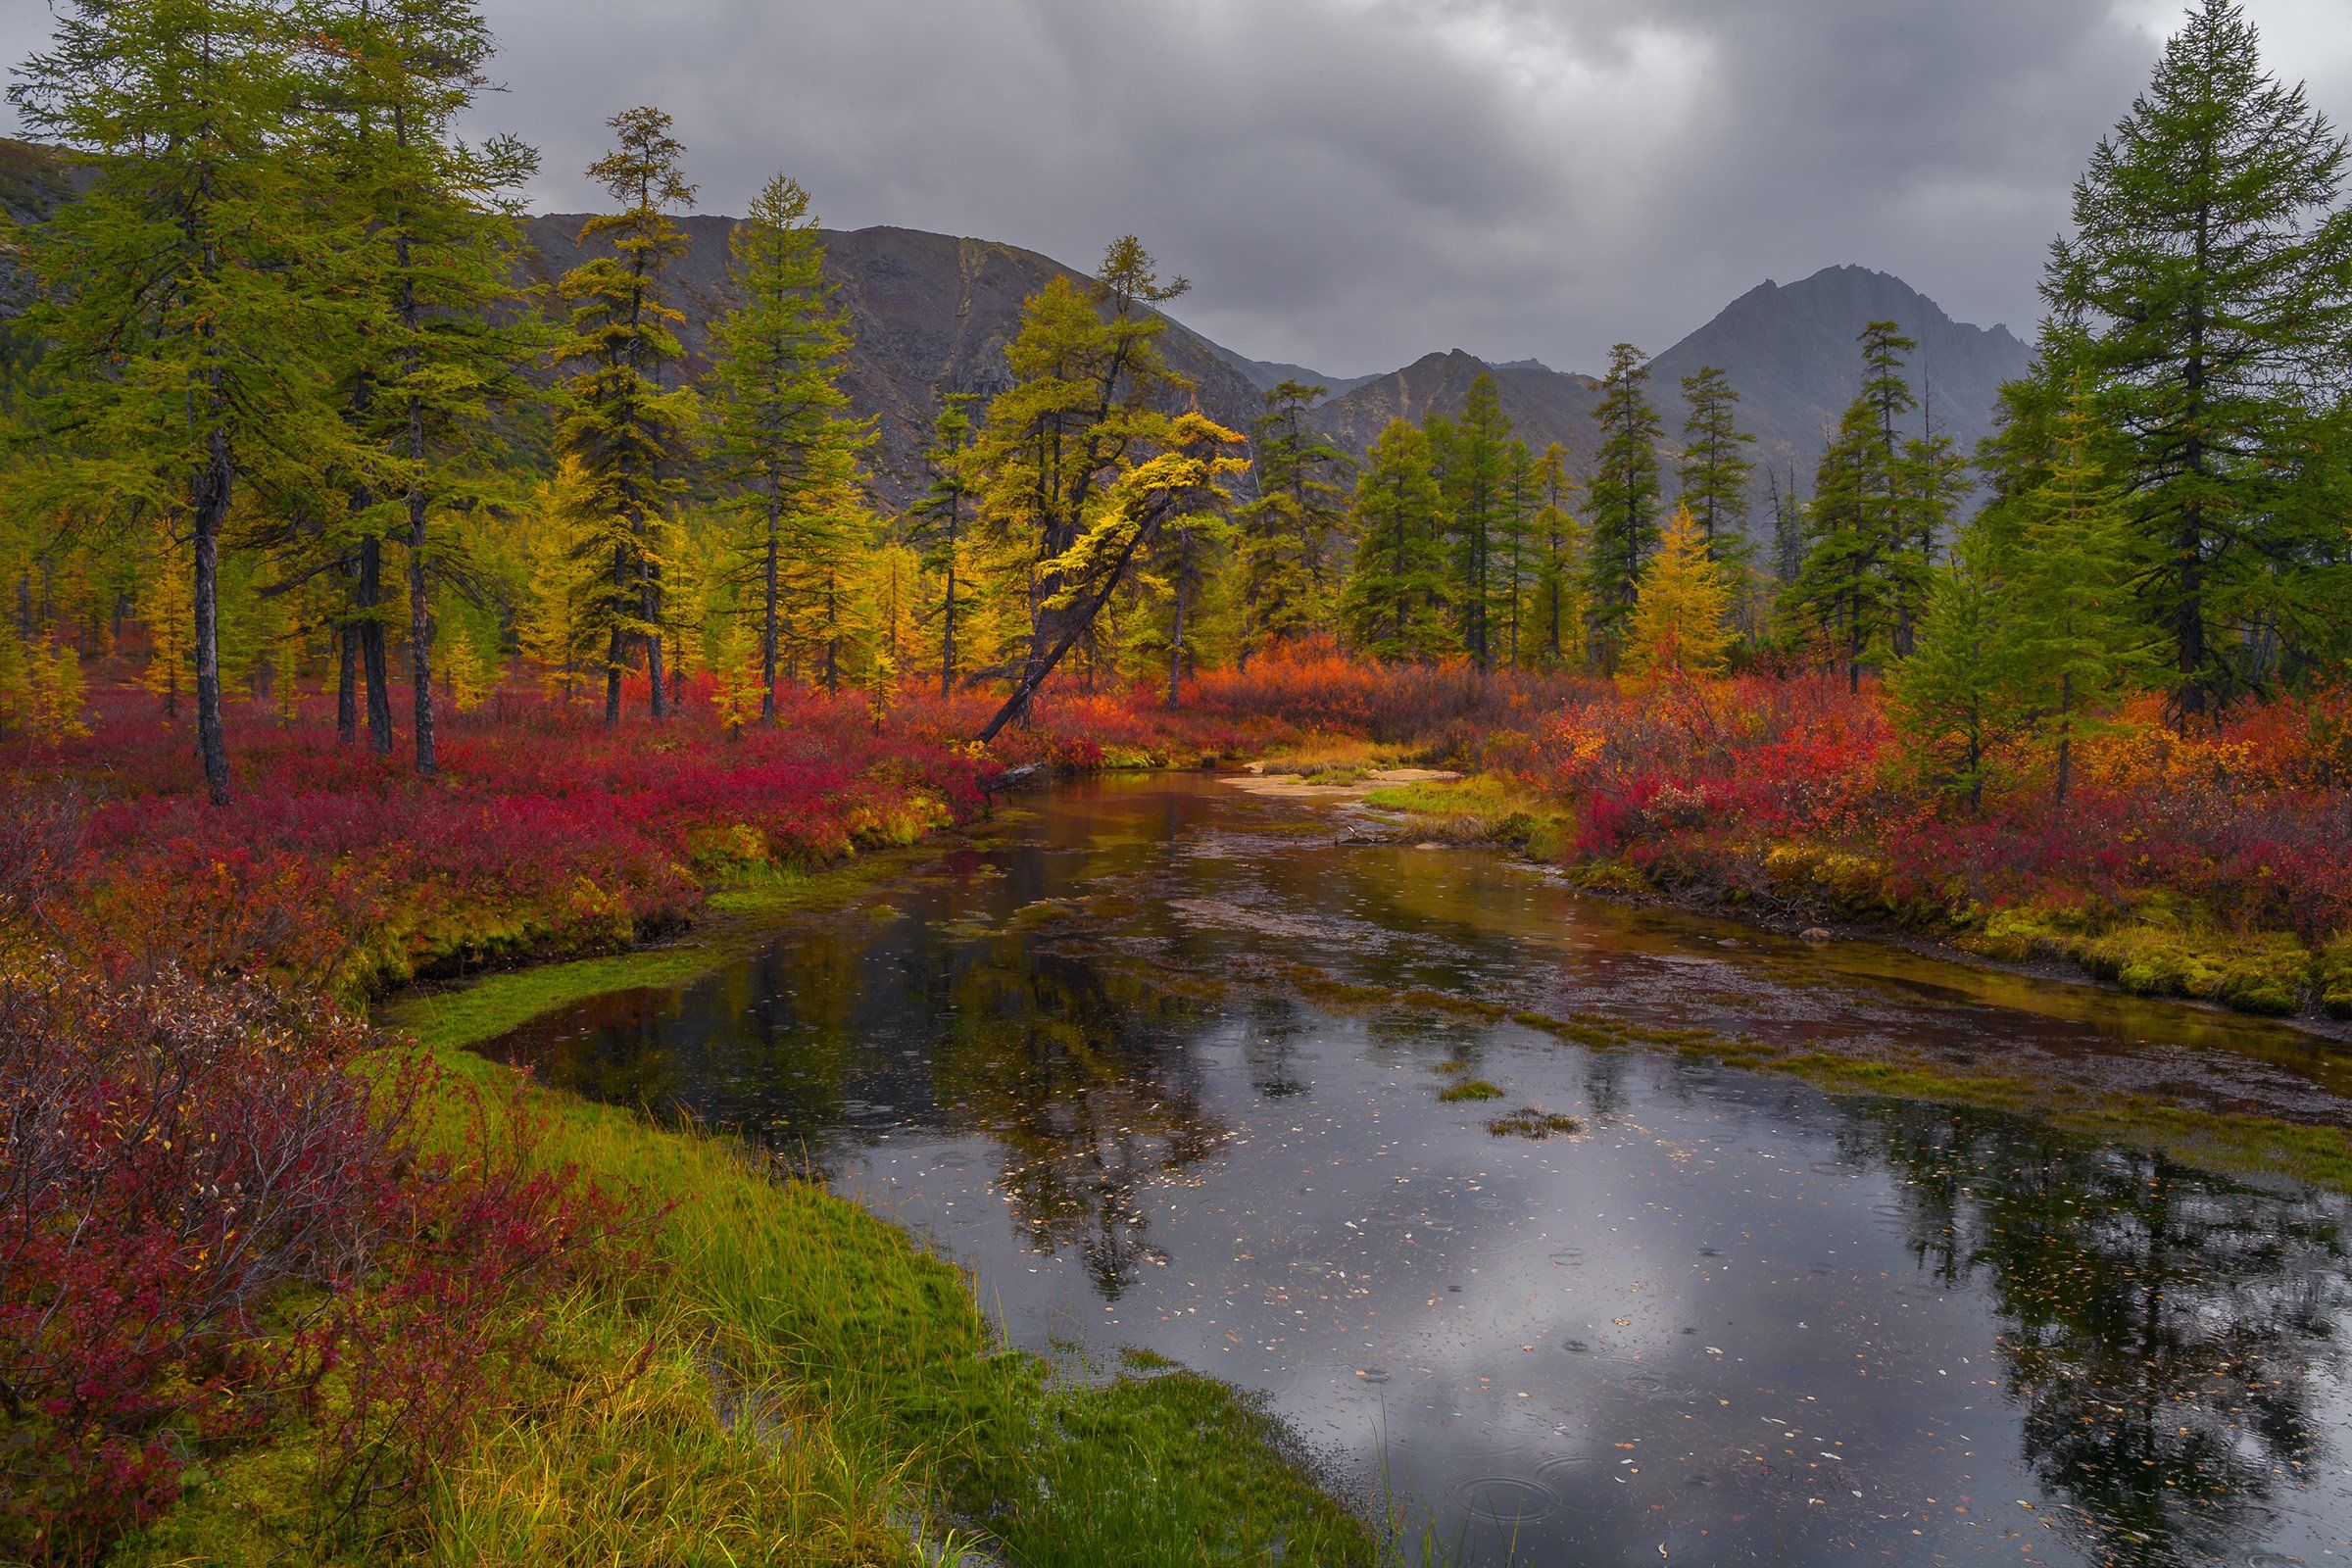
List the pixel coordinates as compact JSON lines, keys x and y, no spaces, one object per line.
{"x":212,"y":1221}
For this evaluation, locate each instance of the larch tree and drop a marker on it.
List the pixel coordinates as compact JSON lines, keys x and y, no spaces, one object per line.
{"x":1960,"y":699}
{"x":1714,"y":468}
{"x":2087,"y":644}
{"x":1476,"y":478}
{"x":784,"y":434}
{"x":436,"y":252}
{"x":187,"y":321}
{"x":2207,"y":293}
{"x":1679,"y":627}
{"x":1621,"y":500}
{"x":632,"y":436}
{"x":1556,"y":609}
{"x":1879,"y":497}
{"x":1183,"y":486}
{"x":1394,"y":605}
{"x":1083,"y":411}
{"x":1291,"y":539}
{"x":940,"y":524}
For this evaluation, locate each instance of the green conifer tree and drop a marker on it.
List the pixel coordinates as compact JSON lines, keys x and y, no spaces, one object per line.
{"x":188,"y":308}
{"x":2207,"y":294}
{"x":1291,"y":539}
{"x":1394,"y":605}
{"x":1621,"y":501}
{"x":939,"y":526}
{"x":629,"y":433}
{"x":1476,"y":480}
{"x":435,"y":259}
{"x":784,"y":432}
{"x":1557,"y":613}
{"x":1714,"y":468}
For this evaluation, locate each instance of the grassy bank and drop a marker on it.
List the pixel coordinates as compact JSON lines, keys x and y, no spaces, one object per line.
{"x":2158,"y":944}
{"x":789,"y":1379}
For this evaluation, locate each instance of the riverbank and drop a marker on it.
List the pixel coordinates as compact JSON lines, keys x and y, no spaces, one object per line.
{"x":785,"y":1378}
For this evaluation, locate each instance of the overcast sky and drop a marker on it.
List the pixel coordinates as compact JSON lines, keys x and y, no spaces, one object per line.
{"x":1352,"y":183}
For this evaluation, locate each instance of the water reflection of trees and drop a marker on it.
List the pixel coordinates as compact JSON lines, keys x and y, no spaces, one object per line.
{"x":1086,"y":1076}
{"x":2165,"y":1333}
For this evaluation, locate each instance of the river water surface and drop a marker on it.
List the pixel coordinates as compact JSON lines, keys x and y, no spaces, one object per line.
{"x":1096,"y":1055}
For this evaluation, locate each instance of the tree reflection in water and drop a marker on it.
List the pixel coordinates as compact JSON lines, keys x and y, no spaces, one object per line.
{"x":2164,"y":1331}
{"x":1086,"y":1077}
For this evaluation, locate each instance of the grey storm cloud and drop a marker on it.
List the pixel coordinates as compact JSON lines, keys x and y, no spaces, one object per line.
{"x":1351,"y":183}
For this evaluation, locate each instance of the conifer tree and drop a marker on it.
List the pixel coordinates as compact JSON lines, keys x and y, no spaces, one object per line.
{"x":164,"y":606}
{"x":785,"y":435}
{"x":1476,"y":478}
{"x":1180,"y":567}
{"x":1960,"y":699}
{"x":2085,"y":642}
{"x":1394,"y":604}
{"x":1291,"y":539}
{"x":1515,"y":558}
{"x":1621,"y":501}
{"x":629,"y":432}
{"x":1714,"y":469}
{"x":1082,"y":413}
{"x":2207,"y":294}
{"x":1556,"y":615}
{"x":554,"y":627}
{"x":1678,"y":629}
{"x":433,"y":264}
{"x":939,"y":524}
{"x":1187,"y":480}
{"x":1880,"y":501}
{"x":187,"y":306}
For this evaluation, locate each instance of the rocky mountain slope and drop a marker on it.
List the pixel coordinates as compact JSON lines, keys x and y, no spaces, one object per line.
{"x":1789,"y":352}
{"x":933,"y":313}
{"x":928,"y":313}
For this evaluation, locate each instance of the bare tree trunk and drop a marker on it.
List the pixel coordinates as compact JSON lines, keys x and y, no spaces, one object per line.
{"x":1176,"y":650}
{"x":212,"y":511}
{"x":421,"y":621}
{"x":347,"y":684}
{"x":767,"y":624}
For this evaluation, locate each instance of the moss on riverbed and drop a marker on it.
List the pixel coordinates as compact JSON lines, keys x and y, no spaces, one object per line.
{"x":2224,"y":1142}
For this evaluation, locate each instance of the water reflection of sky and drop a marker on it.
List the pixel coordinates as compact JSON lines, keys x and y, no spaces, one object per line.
{"x":1735,"y":1319}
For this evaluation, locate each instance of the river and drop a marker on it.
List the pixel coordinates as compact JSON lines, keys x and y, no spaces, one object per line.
{"x":1162,"y":1064}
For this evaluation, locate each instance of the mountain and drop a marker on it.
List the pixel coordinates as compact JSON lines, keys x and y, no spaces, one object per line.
{"x":928,"y":313}
{"x":932,"y":313}
{"x":1543,"y":405}
{"x":1267,"y":374}
{"x":1790,"y":353}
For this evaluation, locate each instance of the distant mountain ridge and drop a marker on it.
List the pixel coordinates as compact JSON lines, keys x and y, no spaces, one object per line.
{"x":1789,"y":351}
{"x":933,"y":314}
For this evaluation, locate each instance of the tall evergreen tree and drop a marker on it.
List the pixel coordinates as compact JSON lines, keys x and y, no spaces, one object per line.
{"x":1714,"y":468}
{"x":1880,"y":500}
{"x":1293,"y":537}
{"x":2207,"y":292}
{"x":2085,"y":642}
{"x":1476,"y":475}
{"x":1621,"y":501}
{"x":1394,"y":605}
{"x":630,"y":433}
{"x":940,"y":524}
{"x":1960,"y":698}
{"x":1556,"y":611}
{"x":784,"y":435}
{"x":1082,"y":411}
{"x":189,"y":305}
{"x":436,"y":260}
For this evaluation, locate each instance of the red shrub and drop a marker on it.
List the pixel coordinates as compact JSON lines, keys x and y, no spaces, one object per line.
{"x":204,"y":1212}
